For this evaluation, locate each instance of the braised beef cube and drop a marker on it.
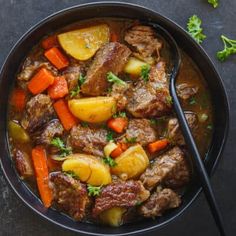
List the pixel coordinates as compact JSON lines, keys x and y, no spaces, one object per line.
{"x":89,"y":140}
{"x":69,"y":195}
{"x":151,"y":98}
{"x":111,"y":57}
{"x":159,"y":202}
{"x":50,"y":130}
{"x":186,"y":91}
{"x":141,"y":131}
{"x":144,"y":40}
{"x":120,"y":194}
{"x":72,"y":74}
{"x":174,"y":132}
{"x":170,"y":166}
{"x":23,"y":164}
{"x":39,"y":111}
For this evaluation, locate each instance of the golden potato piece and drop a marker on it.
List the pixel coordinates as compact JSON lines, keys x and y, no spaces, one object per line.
{"x":88,"y":168}
{"x":134,"y":66}
{"x":131,"y":163}
{"x":93,"y":110}
{"x":82,"y":44}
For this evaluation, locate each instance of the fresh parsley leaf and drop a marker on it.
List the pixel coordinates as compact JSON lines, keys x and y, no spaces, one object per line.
{"x":84,"y":124}
{"x":81,"y":79}
{"x":192,"y":101}
{"x":210,"y":127}
{"x":112,"y":78}
{"x":76,"y":90}
{"x":64,"y":151}
{"x":229,"y":48}
{"x":145,"y":70}
{"x":169,"y":100}
{"x":110,"y":135}
{"x":194,"y":28}
{"x":94,"y":190}
{"x":131,"y":140}
{"x":214,"y":3}
{"x":71,"y":174}
{"x":120,"y":114}
{"x":109,"y":161}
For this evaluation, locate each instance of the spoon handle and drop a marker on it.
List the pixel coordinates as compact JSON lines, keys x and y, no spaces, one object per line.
{"x":198,"y":163}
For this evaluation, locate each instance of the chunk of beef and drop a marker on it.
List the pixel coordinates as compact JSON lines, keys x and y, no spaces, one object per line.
{"x":159,"y":202}
{"x":185,"y":91}
{"x":23,"y":163}
{"x":38,"y":112}
{"x":89,"y":140}
{"x":174,"y":131}
{"x":111,"y":57}
{"x":151,"y":98}
{"x":52,"y":129}
{"x":144,"y":40}
{"x":170,"y":166}
{"x":142,"y":130}
{"x":72,"y":74}
{"x":120,"y":194}
{"x":69,"y":195}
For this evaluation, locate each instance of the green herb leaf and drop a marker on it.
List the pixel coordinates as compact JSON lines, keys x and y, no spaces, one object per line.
{"x":112,"y":78}
{"x":110,"y":135}
{"x":84,"y":124}
{"x":71,"y":174}
{"x":76,"y":90}
{"x":81,"y":79}
{"x":120,"y":114}
{"x":229,"y":48}
{"x":153,"y":121}
{"x":210,"y":127}
{"x":192,"y":101}
{"x":214,"y":3}
{"x":131,"y":140}
{"x":194,"y":28}
{"x":64,"y":151}
{"x":169,"y":100}
{"x":94,"y":190}
{"x":109,"y":161}
{"x":145,"y":70}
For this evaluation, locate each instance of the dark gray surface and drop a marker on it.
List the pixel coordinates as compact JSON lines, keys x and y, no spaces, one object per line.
{"x":16,"y":16}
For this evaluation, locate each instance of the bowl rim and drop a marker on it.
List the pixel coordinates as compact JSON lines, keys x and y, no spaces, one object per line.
{"x":183,"y":32}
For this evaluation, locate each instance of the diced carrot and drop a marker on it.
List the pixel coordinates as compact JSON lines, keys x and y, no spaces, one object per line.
{"x":40,"y":81}
{"x":49,"y":42}
{"x":41,"y":171}
{"x":114,"y":37}
{"x":59,"y":88}
{"x":64,"y":114}
{"x":18,"y":99}
{"x":158,"y":145}
{"x":121,"y":147}
{"x":118,"y":124}
{"x":55,"y":56}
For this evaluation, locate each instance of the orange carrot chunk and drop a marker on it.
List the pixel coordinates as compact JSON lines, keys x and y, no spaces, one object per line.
{"x":121,"y":147}
{"x":40,"y":81}
{"x":41,"y":171}
{"x":18,"y":99}
{"x":158,"y":145}
{"x":59,"y":88}
{"x":55,"y":56}
{"x":114,"y":37}
{"x":64,"y":114}
{"x":117,"y":124}
{"x":49,"y":42}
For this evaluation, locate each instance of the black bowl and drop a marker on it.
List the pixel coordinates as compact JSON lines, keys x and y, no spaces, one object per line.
{"x":108,"y":9}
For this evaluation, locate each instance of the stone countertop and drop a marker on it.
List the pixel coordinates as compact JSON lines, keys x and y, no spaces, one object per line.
{"x":17,"y":16}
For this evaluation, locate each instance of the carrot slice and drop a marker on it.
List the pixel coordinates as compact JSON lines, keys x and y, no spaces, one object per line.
{"x":117,"y":124}
{"x":114,"y":37}
{"x":18,"y":99}
{"x":59,"y":88}
{"x":40,"y":81}
{"x":158,"y":145}
{"x":55,"y":56}
{"x":49,"y":42}
{"x":41,"y":171}
{"x":64,"y":114}
{"x":121,"y":147}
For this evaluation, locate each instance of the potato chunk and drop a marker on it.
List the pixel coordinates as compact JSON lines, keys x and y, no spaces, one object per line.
{"x":88,"y":168}
{"x":131,"y":163}
{"x":93,"y":110}
{"x":82,"y":44}
{"x":134,"y":66}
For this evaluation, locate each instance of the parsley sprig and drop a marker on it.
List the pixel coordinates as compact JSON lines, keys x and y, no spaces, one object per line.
{"x":131,"y":140}
{"x":110,"y":135}
{"x":94,"y":190}
{"x":76,"y":90}
{"x":64,"y":151}
{"x":229,"y":48}
{"x":120,"y":114}
{"x":112,"y":78}
{"x":109,"y":161}
{"x":145,"y":70}
{"x":214,"y":3}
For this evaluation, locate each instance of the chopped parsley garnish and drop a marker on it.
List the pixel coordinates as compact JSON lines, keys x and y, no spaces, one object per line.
{"x":71,"y":174}
{"x":192,"y":101}
{"x":94,"y":190}
{"x":112,"y":78}
{"x":84,"y":124}
{"x":131,"y":140}
{"x":169,"y":100}
{"x":145,"y":70}
{"x":214,"y":3}
{"x":210,"y":127}
{"x":194,"y":28}
{"x":120,"y":114}
{"x":109,"y":161}
{"x":76,"y":90}
{"x":229,"y":48}
{"x":110,"y":135}
{"x":64,"y":151}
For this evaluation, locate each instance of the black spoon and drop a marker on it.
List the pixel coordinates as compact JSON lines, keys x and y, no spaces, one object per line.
{"x":197,"y":161}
